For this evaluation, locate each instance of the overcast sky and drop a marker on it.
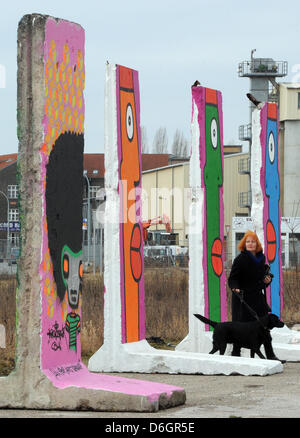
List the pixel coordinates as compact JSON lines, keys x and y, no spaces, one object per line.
{"x":171,"y":43}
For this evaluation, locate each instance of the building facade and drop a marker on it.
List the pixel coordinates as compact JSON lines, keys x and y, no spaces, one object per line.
{"x":9,"y":213}
{"x":166,"y":194}
{"x":289,"y":140}
{"x":166,"y":191}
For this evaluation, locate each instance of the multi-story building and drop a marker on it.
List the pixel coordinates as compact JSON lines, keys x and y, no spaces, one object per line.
{"x":9,"y":213}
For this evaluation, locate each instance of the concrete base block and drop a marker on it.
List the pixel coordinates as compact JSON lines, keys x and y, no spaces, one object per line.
{"x":285,"y":335}
{"x":140,"y":357}
{"x":286,"y":344}
{"x":288,"y":352}
{"x":72,"y":392}
{"x":197,"y":343}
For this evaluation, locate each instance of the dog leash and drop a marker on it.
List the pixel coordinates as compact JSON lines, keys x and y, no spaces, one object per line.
{"x":253,"y":313}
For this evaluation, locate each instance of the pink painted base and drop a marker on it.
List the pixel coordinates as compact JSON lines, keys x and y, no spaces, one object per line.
{"x":78,"y":375}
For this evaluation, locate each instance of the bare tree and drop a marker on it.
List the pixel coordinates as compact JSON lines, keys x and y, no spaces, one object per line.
{"x":144,"y":140}
{"x":293,"y":225}
{"x":180,"y":146}
{"x":160,"y":142}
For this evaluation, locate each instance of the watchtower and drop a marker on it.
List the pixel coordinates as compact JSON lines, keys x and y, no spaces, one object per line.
{"x":262,"y":73}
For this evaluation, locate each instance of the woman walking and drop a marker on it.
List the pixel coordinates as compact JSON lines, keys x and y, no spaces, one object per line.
{"x":249,"y":277}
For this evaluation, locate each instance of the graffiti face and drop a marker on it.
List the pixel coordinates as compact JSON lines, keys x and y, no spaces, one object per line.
{"x":64,"y":186}
{"x":213,"y":180}
{"x":271,"y":205}
{"x":130,"y":227}
{"x":72,"y":272}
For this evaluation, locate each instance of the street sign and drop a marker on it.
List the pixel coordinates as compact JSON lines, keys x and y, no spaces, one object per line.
{"x":13,"y":226}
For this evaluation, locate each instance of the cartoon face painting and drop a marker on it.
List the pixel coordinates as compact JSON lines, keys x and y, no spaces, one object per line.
{"x":64,"y":186}
{"x":72,"y":269}
{"x":213,"y":180}
{"x":271,"y":206}
{"x":131,"y":243}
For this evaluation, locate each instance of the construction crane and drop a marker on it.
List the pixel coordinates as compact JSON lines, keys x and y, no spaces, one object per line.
{"x":155,"y":221}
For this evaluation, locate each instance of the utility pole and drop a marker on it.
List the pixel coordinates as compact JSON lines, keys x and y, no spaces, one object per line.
{"x":89,"y":217}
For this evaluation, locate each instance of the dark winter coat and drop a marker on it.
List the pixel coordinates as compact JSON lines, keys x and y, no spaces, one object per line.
{"x":248,"y":274}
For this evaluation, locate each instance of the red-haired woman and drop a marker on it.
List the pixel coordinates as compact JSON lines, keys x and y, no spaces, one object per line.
{"x":248,"y":276}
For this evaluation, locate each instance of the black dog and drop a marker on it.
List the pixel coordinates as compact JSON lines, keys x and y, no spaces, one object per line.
{"x":243,"y":334}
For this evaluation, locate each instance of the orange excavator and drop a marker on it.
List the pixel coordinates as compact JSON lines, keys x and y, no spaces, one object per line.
{"x":157,"y":220}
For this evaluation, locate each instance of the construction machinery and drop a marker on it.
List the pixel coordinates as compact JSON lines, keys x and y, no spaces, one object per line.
{"x":159,"y":237}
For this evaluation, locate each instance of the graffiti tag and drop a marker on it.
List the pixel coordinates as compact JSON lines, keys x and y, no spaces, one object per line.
{"x":55,"y":335}
{"x":62,"y":371}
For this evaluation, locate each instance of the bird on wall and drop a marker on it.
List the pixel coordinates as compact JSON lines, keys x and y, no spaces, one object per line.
{"x":256,"y":102}
{"x":196,"y":84}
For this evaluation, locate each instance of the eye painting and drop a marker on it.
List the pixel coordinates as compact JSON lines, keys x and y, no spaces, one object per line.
{"x":129,"y":122}
{"x":214,"y":133}
{"x":271,"y":147}
{"x":66,"y":266}
{"x":81,"y":270}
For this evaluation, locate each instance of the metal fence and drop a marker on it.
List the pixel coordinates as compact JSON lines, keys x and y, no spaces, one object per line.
{"x":9,"y":254}
{"x":154,"y":256}
{"x":93,"y":250}
{"x":9,"y":250}
{"x":263,"y":67}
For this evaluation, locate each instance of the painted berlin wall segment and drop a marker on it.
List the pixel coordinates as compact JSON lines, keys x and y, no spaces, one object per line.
{"x":61,"y":267}
{"x":270,"y":185}
{"x":131,"y":241}
{"x":51,"y":175}
{"x":210,"y":120}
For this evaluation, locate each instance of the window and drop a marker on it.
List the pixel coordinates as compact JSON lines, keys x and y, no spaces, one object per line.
{"x":13,"y":215}
{"x":14,"y":239}
{"x":93,"y":191}
{"x":12,"y":192}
